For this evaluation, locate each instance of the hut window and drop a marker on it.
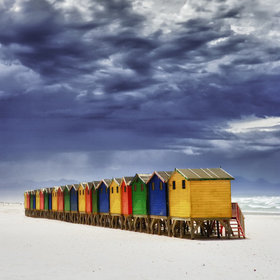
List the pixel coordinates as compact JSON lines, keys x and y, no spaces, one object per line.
{"x":88,"y":192}
{"x":160,"y":186}
{"x":183,"y":184}
{"x":124,"y":188}
{"x":153,"y":186}
{"x":142,"y":187}
{"x":83,"y":192}
{"x":135,"y":187}
{"x":106,"y":190}
{"x":112,"y":189}
{"x":173,"y":185}
{"x":101,"y":189}
{"x":117,"y":189}
{"x":80,"y":192}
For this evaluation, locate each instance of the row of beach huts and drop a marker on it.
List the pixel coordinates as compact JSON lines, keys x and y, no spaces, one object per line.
{"x":179,"y":203}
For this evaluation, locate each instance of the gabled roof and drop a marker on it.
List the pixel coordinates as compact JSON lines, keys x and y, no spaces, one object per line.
{"x":82,"y":185}
{"x":205,"y":174}
{"x":93,"y":184}
{"x":143,"y":177}
{"x":107,"y":182}
{"x":163,"y":175}
{"x":127,"y":180}
{"x":117,"y":180}
{"x":67,"y":187}
{"x":74,"y":186}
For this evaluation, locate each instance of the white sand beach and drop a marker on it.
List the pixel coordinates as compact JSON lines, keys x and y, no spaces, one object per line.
{"x":45,"y":249}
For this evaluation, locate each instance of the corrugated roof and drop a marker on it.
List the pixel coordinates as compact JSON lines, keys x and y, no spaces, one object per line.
{"x":144,"y":177}
{"x":205,"y":174}
{"x":118,"y":180}
{"x":107,"y":182}
{"x":128,"y":180}
{"x":163,"y":175}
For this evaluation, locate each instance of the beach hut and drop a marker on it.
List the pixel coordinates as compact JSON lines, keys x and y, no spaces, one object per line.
{"x":74,"y":202}
{"x":49,"y":191}
{"x":95,"y":202}
{"x":66,"y":194}
{"x":60,"y":202}
{"x":46,"y":200}
{"x":25,"y":200}
{"x":139,"y":194}
{"x":104,"y":197}
{"x":34,"y":200}
{"x":95,"y":197}
{"x":82,"y":198}
{"x":115,"y":196}
{"x":104,"y":201}
{"x":158,"y":201}
{"x":88,"y":197}
{"x":31,"y":200}
{"x":37,"y":193}
{"x":54,"y":202}
{"x":115,"y":202}
{"x":140,"y":201}
{"x":126,"y":196}
{"x":28,"y":200}
{"x":158,"y":193}
{"x":42,"y":199}
{"x":200,"y":196}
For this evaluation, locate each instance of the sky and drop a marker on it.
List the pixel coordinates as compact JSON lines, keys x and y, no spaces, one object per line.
{"x":102,"y":89}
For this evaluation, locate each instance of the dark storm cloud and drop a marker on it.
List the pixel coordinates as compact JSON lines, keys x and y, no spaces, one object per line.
{"x":112,"y":78}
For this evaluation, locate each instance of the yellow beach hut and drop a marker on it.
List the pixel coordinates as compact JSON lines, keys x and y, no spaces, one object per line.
{"x":115,"y":196}
{"x":81,"y":198}
{"x":200,"y":193}
{"x":54,"y":199}
{"x":37,"y":193}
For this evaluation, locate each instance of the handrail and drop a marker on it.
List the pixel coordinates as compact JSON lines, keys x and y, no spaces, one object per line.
{"x":238,"y":215}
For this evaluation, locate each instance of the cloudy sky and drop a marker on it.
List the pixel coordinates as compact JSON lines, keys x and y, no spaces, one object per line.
{"x":96,"y":89}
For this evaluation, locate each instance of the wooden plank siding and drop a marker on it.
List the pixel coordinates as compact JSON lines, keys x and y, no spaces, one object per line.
{"x":179,"y":198}
{"x":37,"y":199}
{"x":115,"y":197}
{"x":211,"y":199}
{"x":46,"y":200}
{"x":54,"y":199}
{"x":82,"y":199}
{"x":66,"y":194}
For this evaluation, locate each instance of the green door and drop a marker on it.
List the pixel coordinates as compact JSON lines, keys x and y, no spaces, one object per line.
{"x":139,"y":197}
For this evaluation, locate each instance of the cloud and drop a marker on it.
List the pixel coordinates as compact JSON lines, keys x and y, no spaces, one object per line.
{"x":137,"y":76}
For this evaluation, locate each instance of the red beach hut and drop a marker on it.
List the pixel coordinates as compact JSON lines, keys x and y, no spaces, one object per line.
{"x":60,"y":200}
{"x":126,"y":196}
{"x":42,"y":200}
{"x":88,"y":187}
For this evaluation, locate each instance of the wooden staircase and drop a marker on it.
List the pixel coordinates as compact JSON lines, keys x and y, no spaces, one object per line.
{"x":237,"y":221}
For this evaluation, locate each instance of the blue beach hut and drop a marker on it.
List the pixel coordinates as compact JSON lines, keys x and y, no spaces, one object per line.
{"x":49,"y":190}
{"x":74,"y":203}
{"x":157,"y":193}
{"x":104,"y":196}
{"x":34,"y":200}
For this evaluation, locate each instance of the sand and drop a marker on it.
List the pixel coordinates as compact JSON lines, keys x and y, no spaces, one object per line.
{"x":45,"y":249}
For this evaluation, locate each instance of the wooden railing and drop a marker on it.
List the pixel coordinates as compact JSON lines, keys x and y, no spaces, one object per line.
{"x":238,"y":215}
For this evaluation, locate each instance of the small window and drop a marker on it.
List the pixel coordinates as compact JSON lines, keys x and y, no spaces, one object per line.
{"x":173,"y":185}
{"x":83,"y":192}
{"x":183,"y":184}
{"x":142,"y":187}
{"x":88,"y":192}
{"x":105,"y":189}
{"x":124,"y":188}
{"x":80,"y":192}
{"x":101,"y":190}
{"x":135,"y":188}
{"x":160,"y":186}
{"x":153,"y":186}
{"x":112,"y":189}
{"x":117,"y":189}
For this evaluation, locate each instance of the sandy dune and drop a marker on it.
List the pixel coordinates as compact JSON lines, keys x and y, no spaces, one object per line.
{"x":46,"y":249}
